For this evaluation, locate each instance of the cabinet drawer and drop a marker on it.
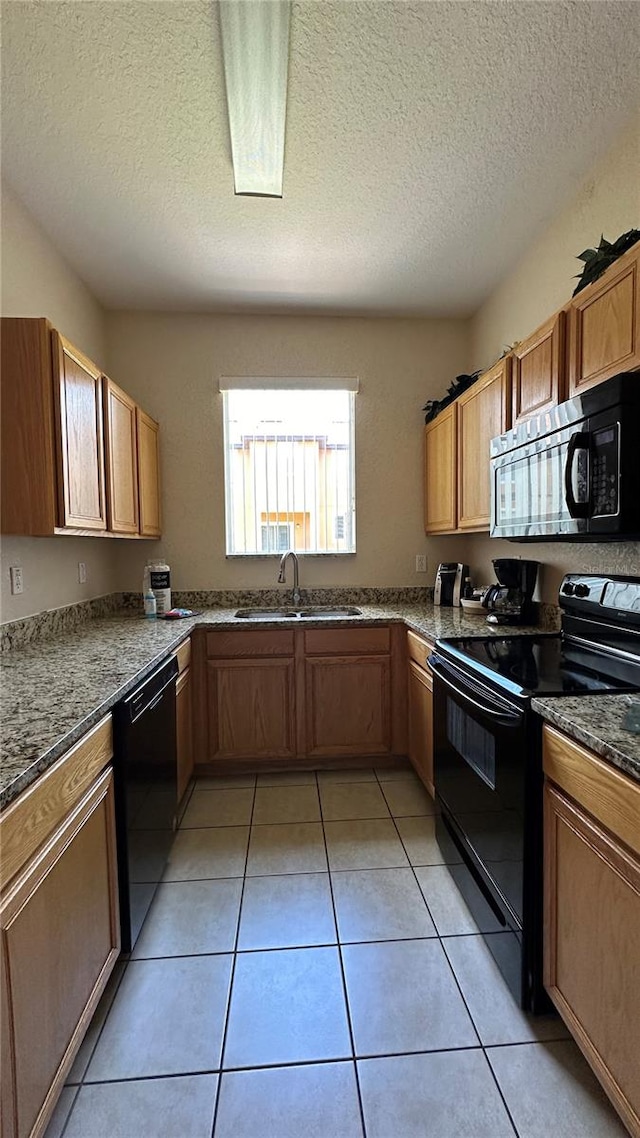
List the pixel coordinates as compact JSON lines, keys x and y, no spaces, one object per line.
{"x":29,"y":821}
{"x":418,"y":649}
{"x":607,"y":794}
{"x":346,"y":641}
{"x":183,"y":655}
{"x":253,"y":642}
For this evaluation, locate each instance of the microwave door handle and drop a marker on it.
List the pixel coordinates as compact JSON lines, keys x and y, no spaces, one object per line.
{"x":578,"y":441}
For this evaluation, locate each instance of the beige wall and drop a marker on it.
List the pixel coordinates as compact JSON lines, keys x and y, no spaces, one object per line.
{"x":541,"y":282}
{"x":37,"y":281}
{"x":172,"y":364}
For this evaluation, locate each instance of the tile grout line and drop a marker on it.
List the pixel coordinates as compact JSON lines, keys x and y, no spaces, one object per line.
{"x":290,"y":1064}
{"x":235,"y":952}
{"x":342,"y":971}
{"x":455,"y":979}
{"x":233,"y":968}
{"x":77,"y":1090}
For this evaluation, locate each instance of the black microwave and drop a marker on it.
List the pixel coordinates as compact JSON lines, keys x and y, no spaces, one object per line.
{"x":573,"y":473}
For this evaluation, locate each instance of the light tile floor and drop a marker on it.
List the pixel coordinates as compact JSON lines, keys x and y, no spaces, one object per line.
{"x":308,"y":969}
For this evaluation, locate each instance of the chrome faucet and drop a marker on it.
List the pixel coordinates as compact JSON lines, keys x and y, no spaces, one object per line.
{"x":282,"y":579}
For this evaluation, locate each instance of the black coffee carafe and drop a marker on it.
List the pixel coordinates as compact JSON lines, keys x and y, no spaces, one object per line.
{"x":510,"y":601}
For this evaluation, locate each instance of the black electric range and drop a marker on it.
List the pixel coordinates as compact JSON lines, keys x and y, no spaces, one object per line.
{"x":488,"y":756}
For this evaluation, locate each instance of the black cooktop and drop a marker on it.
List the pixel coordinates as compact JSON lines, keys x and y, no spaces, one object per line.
{"x":538,"y":665}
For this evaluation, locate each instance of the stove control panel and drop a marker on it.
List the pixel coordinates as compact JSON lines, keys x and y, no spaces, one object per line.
{"x":569,"y":589}
{"x":608,"y":596}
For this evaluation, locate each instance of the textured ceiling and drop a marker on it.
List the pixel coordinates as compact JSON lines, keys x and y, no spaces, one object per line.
{"x":426,"y":144}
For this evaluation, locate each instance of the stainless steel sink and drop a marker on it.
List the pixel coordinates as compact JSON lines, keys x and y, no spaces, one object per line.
{"x":326,"y":612}
{"x":266,"y":614}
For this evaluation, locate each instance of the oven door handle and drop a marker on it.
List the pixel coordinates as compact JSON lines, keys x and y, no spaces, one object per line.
{"x":495,"y":712}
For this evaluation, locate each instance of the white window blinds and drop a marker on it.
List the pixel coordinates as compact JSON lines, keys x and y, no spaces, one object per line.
{"x":289,"y":466}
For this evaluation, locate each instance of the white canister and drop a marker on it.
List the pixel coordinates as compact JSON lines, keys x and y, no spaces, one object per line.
{"x":160,"y":583}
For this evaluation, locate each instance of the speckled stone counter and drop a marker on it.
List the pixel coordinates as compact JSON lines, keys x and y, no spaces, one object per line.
{"x":596,"y":721}
{"x":54,"y":690}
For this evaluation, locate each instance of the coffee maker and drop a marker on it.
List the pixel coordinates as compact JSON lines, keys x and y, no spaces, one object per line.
{"x":510,"y":601}
{"x":450,"y":578}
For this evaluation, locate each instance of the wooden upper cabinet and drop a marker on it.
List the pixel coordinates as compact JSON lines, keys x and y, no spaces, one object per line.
{"x":538,"y":371}
{"x":148,"y":474}
{"x":483,"y":413}
{"x":121,"y":459}
{"x":28,"y":452}
{"x":78,"y":406}
{"x":440,"y":508}
{"x":604,"y":325}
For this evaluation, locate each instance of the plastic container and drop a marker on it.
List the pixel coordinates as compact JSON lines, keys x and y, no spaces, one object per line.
{"x":150,"y":608}
{"x":470,"y":605}
{"x":157,"y":575}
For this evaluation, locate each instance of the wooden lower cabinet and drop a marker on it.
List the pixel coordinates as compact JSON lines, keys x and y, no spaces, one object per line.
{"x":348,"y":705}
{"x":421,"y":723}
{"x":306,"y":694}
{"x":420,"y":707}
{"x":60,"y":940}
{"x":592,"y":919}
{"x":184,"y":731}
{"x":251,"y":708}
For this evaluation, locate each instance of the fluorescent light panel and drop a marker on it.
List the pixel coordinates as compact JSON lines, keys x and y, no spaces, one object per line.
{"x":255,"y":47}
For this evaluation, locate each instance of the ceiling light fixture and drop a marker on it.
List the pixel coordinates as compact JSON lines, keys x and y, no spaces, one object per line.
{"x":255,"y":48}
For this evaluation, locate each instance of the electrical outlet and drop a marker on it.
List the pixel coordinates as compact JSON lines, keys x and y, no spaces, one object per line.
{"x":82,"y":572}
{"x":421,"y":562}
{"x":17,"y":583}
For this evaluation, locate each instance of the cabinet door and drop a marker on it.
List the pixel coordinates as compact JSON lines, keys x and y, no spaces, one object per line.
{"x":421,"y":723}
{"x":121,"y":459}
{"x":604,"y":325}
{"x":348,"y":705}
{"x":440,"y":513}
{"x":538,"y":371}
{"x":184,"y":731}
{"x":28,"y":474}
{"x":251,"y":708}
{"x":60,"y":940}
{"x":483,"y":413}
{"x":148,"y":474}
{"x":81,"y":491}
{"x":592,"y":946}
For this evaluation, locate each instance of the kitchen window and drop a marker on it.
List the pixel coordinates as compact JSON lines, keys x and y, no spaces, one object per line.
{"x":289,"y":466}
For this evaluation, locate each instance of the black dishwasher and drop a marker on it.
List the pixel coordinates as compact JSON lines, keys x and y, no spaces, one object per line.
{"x":146,"y":787}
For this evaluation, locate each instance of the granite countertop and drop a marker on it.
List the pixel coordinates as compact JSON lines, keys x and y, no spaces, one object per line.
{"x":55,"y":690}
{"x":596,"y":721}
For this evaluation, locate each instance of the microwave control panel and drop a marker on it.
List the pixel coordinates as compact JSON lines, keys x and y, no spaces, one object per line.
{"x":604,"y":471}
